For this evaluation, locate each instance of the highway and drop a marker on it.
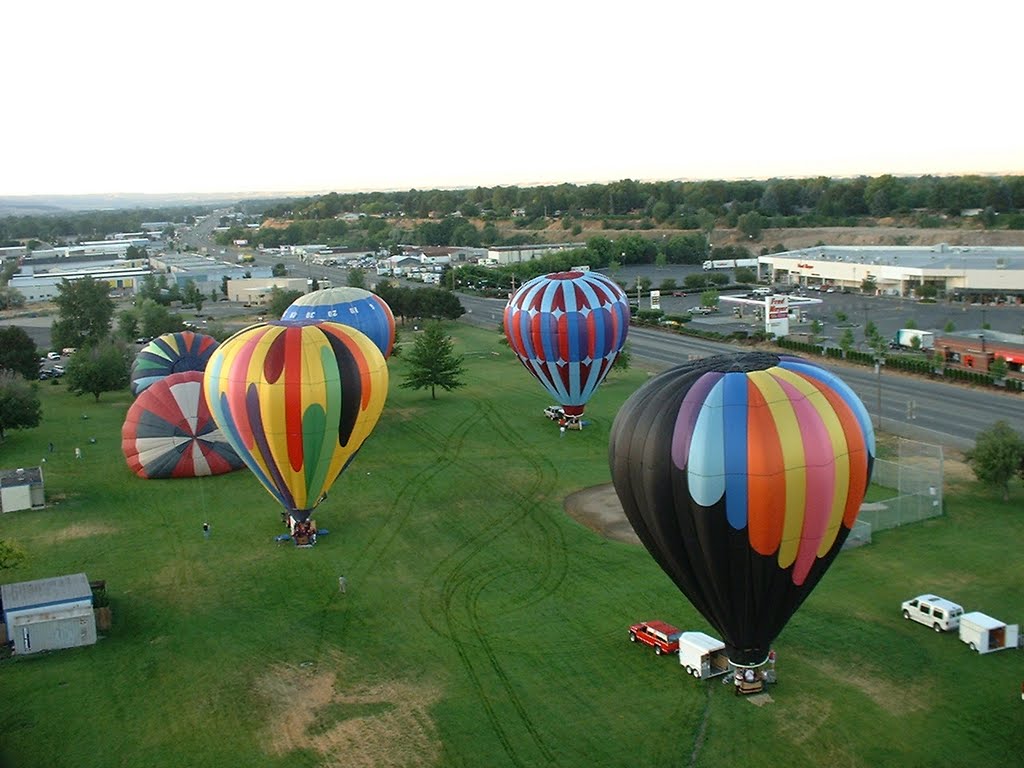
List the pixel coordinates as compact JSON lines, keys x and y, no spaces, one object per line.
{"x":912,"y":406}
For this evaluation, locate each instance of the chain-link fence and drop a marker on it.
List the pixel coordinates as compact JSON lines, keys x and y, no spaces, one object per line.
{"x":915,"y":473}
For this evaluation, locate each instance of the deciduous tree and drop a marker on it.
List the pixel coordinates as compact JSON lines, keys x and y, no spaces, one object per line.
{"x":19,"y":403}
{"x":18,"y":352}
{"x":85,"y":311}
{"x":97,"y":369}
{"x":997,"y":455}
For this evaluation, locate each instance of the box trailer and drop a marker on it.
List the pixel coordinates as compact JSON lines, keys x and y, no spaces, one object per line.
{"x":984,"y":634}
{"x":702,"y":656}
{"x":904,"y":339}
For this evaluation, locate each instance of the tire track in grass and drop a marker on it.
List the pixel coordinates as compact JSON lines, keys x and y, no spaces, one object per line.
{"x":460,"y":575}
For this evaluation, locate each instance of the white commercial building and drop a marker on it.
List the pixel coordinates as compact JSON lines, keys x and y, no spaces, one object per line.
{"x":977,"y":271}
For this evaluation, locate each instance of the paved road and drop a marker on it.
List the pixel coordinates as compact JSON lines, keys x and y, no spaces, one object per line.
{"x":912,"y":406}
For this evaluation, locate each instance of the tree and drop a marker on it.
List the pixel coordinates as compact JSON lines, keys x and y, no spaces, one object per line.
{"x":19,"y":403}
{"x":846,"y":341}
{"x":816,"y":329}
{"x":98,"y":369}
{"x":11,"y":555}
{"x":997,"y":456}
{"x":433,"y":363}
{"x":949,"y":327}
{"x":709,"y":298}
{"x":868,"y":285}
{"x":357,"y":278}
{"x":745,"y":275}
{"x":280,"y":300}
{"x":193,"y":295}
{"x":11,"y":298}
{"x":18,"y":352}
{"x":751,"y":224}
{"x":85,"y":311}
{"x":998,"y":369}
{"x":279,"y":270}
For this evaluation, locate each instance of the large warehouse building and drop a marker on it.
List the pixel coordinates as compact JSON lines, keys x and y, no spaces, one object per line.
{"x":973,"y":273}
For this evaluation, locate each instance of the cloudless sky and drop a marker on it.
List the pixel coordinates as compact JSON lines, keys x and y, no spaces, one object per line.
{"x":313,"y":95}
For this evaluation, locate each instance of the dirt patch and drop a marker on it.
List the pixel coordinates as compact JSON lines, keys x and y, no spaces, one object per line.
{"x":82,"y":531}
{"x":598,"y":508}
{"x":387,"y":724}
{"x":894,"y":699}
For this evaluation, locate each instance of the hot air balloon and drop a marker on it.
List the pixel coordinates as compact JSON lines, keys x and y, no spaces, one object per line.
{"x":169,"y":432}
{"x":742,"y":475}
{"x":567,"y":328}
{"x":354,"y":307}
{"x":170,"y":353}
{"x":296,"y":401}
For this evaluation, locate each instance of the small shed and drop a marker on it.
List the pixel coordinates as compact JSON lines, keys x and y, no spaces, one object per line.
{"x":47,"y":614}
{"x":21,"y":488}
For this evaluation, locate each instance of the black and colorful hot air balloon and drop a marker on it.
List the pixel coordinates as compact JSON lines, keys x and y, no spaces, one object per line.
{"x":567,"y":328}
{"x":170,"y":353}
{"x":357,"y":308}
{"x":169,"y":432}
{"x":743,"y":474}
{"x":297,"y":400}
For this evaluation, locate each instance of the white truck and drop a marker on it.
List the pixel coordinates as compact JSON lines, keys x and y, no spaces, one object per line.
{"x":728,"y":263}
{"x":904,"y":339}
{"x":702,"y":655}
{"x":984,"y":634}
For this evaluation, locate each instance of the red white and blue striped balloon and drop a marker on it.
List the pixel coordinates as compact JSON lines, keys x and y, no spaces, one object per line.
{"x":567,"y":328}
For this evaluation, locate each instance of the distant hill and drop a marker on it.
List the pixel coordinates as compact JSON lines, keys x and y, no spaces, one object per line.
{"x":33,"y":205}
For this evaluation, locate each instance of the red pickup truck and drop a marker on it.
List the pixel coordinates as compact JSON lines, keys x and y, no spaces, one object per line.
{"x":664,"y":638}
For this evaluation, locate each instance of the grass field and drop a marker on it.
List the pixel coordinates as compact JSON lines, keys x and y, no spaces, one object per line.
{"x":481,"y":625}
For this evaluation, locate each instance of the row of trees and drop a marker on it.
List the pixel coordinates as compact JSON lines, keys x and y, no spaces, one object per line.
{"x":816,"y":201}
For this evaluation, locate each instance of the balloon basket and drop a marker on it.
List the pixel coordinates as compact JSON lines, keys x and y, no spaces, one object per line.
{"x":302,"y":532}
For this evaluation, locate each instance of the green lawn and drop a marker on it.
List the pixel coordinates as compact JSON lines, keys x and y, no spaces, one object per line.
{"x":481,"y":626}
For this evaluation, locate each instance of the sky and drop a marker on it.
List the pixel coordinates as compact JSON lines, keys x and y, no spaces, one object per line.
{"x":115,"y":96}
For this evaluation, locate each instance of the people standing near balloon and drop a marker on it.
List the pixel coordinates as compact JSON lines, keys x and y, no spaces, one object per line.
{"x":742,"y":475}
{"x":567,"y":329}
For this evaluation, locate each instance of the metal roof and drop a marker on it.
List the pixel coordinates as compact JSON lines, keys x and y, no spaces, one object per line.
{"x":10,"y":478}
{"x":45,"y":592}
{"x":940,"y":256}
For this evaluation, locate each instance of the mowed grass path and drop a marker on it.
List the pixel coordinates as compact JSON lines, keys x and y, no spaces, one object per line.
{"x":481,"y":626}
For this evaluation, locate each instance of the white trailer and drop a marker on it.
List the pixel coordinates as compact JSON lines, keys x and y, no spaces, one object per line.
{"x":702,"y":656}
{"x":984,"y":634}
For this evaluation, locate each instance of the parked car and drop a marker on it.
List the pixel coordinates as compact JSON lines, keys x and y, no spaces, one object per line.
{"x":664,"y":638}
{"x":53,"y":355}
{"x":933,"y":611}
{"x":554,"y":412}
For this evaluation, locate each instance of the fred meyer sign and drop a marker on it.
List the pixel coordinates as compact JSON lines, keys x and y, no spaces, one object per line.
{"x":655,"y":299}
{"x":776,"y":315}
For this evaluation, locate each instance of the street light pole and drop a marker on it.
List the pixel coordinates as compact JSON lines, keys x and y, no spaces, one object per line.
{"x":879,"y":362}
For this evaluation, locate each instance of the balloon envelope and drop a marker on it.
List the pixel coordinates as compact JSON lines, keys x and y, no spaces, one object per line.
{"x":169,"y":432}
{"x":170,"y":353}
{"x":743,"y":475}
{"x":366,"y":312}
{"x":567,"y":328}
{"x":296,"y":401}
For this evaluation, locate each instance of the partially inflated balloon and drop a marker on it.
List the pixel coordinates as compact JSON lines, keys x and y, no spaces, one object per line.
{"x":296,"y":401}
{"x":743,"y":475}
{"x":169,"y":432}
{"x":170,"y":353}
{"x":366,"y":312}
{"x":567,"y":328}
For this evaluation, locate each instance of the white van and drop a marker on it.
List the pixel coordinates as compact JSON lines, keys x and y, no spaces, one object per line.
{"x":938,"y":613}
